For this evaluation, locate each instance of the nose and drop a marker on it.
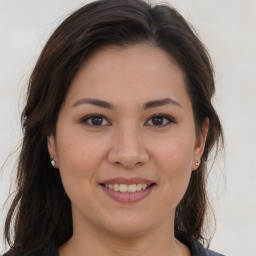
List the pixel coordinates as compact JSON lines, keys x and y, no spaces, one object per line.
{"x":128,"y":149}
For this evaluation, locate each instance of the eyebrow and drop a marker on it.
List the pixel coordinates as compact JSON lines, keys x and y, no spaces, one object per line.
{"x":161,"y":102}
{"x":147,"y":105}
{"x":96,"y":102}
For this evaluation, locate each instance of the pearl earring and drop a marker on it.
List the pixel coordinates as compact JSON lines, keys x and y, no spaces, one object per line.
{"x":53,"y":162}
{"x":197,"y":163}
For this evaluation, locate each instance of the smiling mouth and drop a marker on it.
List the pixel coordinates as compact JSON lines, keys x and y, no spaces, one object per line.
{"x":125,"y":188}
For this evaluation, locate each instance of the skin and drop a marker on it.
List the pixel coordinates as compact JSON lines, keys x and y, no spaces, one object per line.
{"x":127,"y":142}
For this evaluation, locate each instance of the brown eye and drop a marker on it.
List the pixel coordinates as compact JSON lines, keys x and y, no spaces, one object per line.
{"x":96,"y":121}
{"x":160,"y":120}
{"x":157,"y":121}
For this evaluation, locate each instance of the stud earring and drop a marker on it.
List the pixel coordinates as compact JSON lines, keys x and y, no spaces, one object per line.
{"x":53,"y":162}
{"x":197,"y":163}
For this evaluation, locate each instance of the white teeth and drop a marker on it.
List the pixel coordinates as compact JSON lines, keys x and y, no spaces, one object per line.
{"x":144,"y":186}
{"x":126,"y":188}
{"x":139,"y":187}
{"x":123,"y":188}
{"x":116,"y":187}
{"x":132,"y":188}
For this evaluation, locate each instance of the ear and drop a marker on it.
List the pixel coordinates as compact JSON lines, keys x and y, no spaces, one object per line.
{"x":200,"y":143}
{"x":51,"y":144}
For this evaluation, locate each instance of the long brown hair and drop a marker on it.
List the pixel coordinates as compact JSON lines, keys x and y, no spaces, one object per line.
{"x":41,"y":211}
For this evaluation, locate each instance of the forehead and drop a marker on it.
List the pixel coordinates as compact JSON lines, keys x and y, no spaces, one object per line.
{"x":137,"y":72}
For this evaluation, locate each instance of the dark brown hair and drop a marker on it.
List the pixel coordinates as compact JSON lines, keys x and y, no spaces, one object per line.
{"x":41,"y":211}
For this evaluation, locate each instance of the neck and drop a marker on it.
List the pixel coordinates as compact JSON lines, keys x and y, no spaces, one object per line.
{"x":90,"y":241}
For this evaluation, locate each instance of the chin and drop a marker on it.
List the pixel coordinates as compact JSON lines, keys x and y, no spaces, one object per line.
{"x":129,"y":227}
{"x":128,"y":231}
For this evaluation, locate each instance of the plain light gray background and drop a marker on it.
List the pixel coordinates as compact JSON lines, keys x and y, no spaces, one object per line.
{"x":228,"y":29}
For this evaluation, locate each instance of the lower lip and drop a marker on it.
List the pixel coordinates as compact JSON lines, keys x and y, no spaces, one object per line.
{"x":127,"y":197}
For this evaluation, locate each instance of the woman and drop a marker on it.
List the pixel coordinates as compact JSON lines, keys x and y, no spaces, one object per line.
{"x":118,"y":127}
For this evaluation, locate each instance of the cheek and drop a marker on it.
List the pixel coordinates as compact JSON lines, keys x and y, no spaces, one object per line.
{"x":78,"y":153}
{"x":174,"y":161}
{"x":79,"y":159}
{"x":175,"y":154}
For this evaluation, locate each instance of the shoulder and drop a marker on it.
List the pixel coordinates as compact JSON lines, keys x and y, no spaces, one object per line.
{"x":212,"y":253}
{"x":196,"y":248}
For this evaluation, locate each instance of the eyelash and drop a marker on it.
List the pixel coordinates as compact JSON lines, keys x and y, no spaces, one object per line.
{"x":168,"y":120}
{"x":89,"y":117}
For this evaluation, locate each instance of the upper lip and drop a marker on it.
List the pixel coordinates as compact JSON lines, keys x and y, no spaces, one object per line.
{"x":128,"y":181}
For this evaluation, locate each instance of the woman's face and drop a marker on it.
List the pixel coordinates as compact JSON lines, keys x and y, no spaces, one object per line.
{"x":126,"y":124}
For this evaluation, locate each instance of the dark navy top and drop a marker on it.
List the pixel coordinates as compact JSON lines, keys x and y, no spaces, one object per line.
{"x":195,"y":247}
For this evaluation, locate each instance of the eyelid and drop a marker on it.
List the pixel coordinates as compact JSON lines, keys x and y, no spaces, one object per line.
{"x":88,"y":117}
{"x":168,"y":117}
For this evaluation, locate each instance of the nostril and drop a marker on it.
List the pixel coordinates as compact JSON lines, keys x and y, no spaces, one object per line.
{"x":117,"y":163}
{"x":127,"y":165}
